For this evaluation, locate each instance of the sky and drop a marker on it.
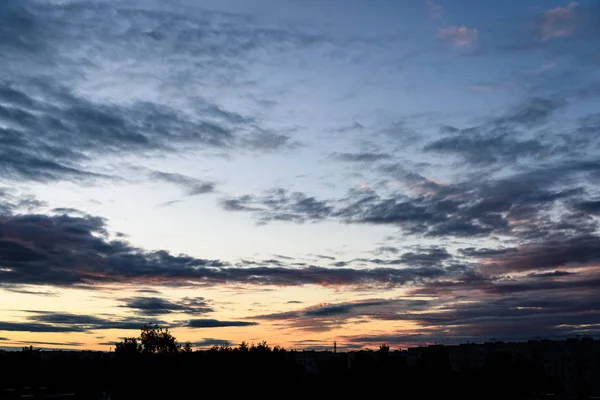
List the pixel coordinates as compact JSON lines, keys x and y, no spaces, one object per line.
{"x":299,"y":171}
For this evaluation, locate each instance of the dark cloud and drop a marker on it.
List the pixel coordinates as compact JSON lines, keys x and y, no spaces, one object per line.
{"x":35,"y":327}
{"x":82,"y":323}
{"x":485,"y":252}
{"x":526,"y":205}
{"x":269,"y":141}
{"x":354,"y":127}
{"x":324,"y":257}
{"x":51,"y":131}
{"x":386,"y":249}
{"x":361,"y":157}
{"x":280,"y":205}
{"x":590,"y":207}
{"x":190,"y":185}
{"x":550,"y":274}
{"x":573,"y":251}
{"x":209,"y":342}
{"x":533,"y":111}
{"x":213,"y":323}
{"x":410,"y":339}
{"x":426,"y":258}
{"x":23,"y":290}
{"x":159,"y":306}
{"x":518,"y":136}
{"x":325,"y":317}
{"x":75,"y":130}
{"x":479,"y":149}
{"x":107,"y":343}
{"x":71,"y":344}
{"x":545,"y":315}
{"x":63,"y":250}
{"x":148,"y":291}
{"x":421,"y":256}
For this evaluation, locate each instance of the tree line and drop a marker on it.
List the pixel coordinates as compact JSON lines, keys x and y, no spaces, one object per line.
{"x":156,"y":366}
{"x":156,"y":340}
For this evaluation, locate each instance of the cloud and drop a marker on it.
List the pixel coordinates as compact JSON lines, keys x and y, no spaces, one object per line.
{"x":356,"y":126}
{"x":535,"y":202}
{"x":360,"y":157}
{"x":269,"y":141}
{"x":458,"y":36}
{"x":41,"y":250}
{"x":147,"y":291}
{"x":168,"y":203}
{"x":324,"y":257}
{"x":501,"y":140}
{"x":35,"y":327}
{"x":62,"y":250}
{"x":73,"y":344}
{"x":82,"y":323}
{"x":280,"y":205}
{"x":325,"y":317}
{"x":191,"y":186}
{"x":591,"y":207}
{"x":550,"y":254}
{"x":77,"y":130}
{"x":209,"y":342}
{"x":55,"y":129}
{"x":213,"y":323}
{"x":478,"y":149}
{"x":426,"y":257}
{"x":159,"y":306}
{"x":533,"y":111}
{"x":435,"y":10}
{"x":23,"y":290}
{"x":386,"y":249}
{"x":473,"y":208}
{"x":559,"y":21}
{"x":541,"y":305}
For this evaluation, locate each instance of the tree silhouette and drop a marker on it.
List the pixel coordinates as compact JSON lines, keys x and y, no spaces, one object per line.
{"x":262,"y":347}
{"x":153,"y":340}
{"x":158,"y":340}
{"x":243,"y":347}
{"x":187,"y":347}
{"x":278,"y":349}
{"x":128,"y":346}
{"x":384,"y":349}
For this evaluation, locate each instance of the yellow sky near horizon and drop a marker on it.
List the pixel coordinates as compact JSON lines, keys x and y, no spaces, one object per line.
{"x":230,"y":303}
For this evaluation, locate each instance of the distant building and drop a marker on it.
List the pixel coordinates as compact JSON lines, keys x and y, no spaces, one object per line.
{"x":574,"y":363}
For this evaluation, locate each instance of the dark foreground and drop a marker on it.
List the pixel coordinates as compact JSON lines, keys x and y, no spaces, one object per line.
{"x":430,"y":372}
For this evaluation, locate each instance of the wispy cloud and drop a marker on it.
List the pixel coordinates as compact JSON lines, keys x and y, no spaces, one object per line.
{"x":458,"y":36}
{"x":46,"y":321}
{"x":159,"y":306}
{"x":192,"y":186}
{"x":209,"y":342}
{"x":213,"y":323}
{"x":559,"y":21}
{"x":435,"y":10}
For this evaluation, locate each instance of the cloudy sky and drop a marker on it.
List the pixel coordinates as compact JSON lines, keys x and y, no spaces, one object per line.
{"x":300,"y":172}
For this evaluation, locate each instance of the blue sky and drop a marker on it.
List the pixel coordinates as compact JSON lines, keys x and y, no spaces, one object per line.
{"x":299,"y":171}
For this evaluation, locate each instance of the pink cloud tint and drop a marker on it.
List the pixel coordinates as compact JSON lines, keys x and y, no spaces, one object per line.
{"x":559,"y":21}
{"x":435,"y":10}
{"x":459,"y":36}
